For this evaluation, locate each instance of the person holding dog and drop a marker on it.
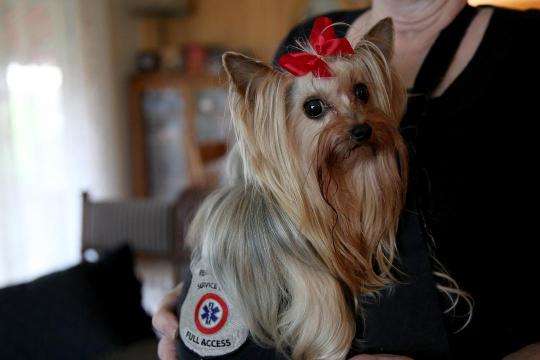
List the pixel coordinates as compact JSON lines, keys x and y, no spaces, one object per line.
{"x":471,"y":75}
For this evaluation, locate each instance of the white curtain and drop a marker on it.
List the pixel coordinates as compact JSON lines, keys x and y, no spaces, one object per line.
{"x":62,"y":129}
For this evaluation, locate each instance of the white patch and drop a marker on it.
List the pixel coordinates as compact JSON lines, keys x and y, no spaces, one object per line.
{"x":209,"y":324}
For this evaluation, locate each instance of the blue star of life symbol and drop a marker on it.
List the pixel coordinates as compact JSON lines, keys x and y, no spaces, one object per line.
{"x":209,"y":313}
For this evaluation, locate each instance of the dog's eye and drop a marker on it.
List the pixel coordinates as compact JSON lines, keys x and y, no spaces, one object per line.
{"x":314,"y":108}
{"x":361,"y":92}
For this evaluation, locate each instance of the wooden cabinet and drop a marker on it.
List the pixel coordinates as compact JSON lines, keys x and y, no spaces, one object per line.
{"x":178,"y":124}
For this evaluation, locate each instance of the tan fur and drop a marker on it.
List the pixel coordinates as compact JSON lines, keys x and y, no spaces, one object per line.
{"x":356,"y":195}
{"x":308,"y":226}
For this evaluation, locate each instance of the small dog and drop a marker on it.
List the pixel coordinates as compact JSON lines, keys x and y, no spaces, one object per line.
{"x":307,"y":224}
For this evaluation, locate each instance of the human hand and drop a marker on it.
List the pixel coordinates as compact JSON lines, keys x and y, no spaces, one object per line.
{"x":531,"y":352}
{"x":380,"y":357}
{"x":165,"y":324}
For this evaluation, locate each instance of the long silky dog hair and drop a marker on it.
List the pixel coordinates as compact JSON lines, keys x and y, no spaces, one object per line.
{"x":306,"y":225}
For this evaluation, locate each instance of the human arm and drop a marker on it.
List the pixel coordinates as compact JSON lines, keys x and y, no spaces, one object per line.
{"x":530,"y":352}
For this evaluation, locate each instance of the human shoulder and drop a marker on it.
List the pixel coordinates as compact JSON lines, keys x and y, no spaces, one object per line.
{"x":525,"y":23}
{"x":513,"y":35}
{"x":301,"y":31}
{"x":513,"y":14}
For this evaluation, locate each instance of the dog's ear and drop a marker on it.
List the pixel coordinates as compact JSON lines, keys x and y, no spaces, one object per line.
{"x":244,"y":72}
{"x":382,"y":35}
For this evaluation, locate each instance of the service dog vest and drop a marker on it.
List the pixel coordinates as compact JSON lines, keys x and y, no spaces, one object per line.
{"x":210,"y":325}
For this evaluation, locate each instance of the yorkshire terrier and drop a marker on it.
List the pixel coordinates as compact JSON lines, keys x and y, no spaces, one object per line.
{"x":306,"y":225}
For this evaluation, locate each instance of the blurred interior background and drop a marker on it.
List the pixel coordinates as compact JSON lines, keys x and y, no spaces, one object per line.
{"x":113,"y":127}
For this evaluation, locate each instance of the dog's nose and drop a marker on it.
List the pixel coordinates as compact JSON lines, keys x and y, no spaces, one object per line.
{"x":360,"y":132}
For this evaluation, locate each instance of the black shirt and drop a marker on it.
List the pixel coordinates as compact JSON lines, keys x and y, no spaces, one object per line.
{"x":478,"y":148}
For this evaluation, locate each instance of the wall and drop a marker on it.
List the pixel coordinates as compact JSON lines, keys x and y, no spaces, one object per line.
{"x":256,"y":25}
{"x":104,"y":89}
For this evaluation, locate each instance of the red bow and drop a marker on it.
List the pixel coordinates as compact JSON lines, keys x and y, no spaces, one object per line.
{"x":323,"y":40}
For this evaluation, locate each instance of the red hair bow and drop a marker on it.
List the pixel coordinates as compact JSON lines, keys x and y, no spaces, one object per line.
{"x":323,"y":40}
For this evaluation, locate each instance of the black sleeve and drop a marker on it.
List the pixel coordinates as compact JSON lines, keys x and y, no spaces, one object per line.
{"x":301,"y":31}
